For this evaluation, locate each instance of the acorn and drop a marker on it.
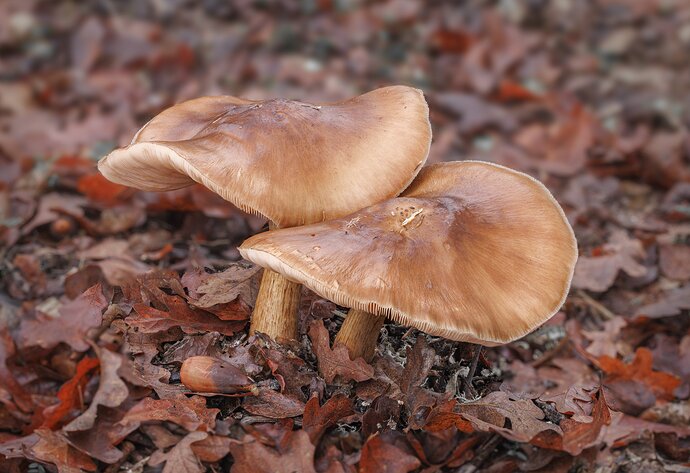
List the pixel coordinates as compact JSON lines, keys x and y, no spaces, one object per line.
{"x":205,"y":374}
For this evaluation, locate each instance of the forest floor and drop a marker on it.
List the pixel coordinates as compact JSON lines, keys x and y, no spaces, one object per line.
{"x":104,"y":290}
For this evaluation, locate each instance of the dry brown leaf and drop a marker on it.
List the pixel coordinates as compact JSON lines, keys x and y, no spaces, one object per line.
{"x":336,"y":362}
{"x":269,"y":403}
{"x":295,"y":454}
{"x":670,"y":303}
{"x":317,"y":419}
{"x":112,"y":391}
{"x":621,"y":253}
{"x":50,"y":447}
{"x":238,"y":281}
{"x":379,"y":456}
{"x":640,"y":369}
{"x":561,"y":148}
{"x":490,"y":413}
{"x":181,"y":458}
{"x":191,"y":413}
{"x":150,"y":320}
{"x":77,"y":317}
{"x":212,"y":449}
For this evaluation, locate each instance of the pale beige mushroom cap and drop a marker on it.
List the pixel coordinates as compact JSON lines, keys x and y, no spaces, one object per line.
{"x":471,"y":251}
{"x":289,"y":161}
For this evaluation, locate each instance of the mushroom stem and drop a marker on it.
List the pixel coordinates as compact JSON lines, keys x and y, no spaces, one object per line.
{"x":359,"y":333}
{"x":275,"y":311}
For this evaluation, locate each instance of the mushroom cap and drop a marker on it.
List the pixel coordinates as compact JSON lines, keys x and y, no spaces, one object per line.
{"x":289,"y":161}
{"x":471,"y":251}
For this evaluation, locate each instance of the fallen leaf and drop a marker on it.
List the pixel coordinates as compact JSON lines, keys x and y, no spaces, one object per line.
{"x":112,"y":391}
{"x":7,"y":380}
{"x":604,"y":341}
{"x":70,"y":394}
{"x":476,"y":114}
{"x":560,"y":148}
{"x":212,"y":448}
{"x":295,"y":455}
{"x":490,"y":414}
{"x":378,"y":456}
{"x":238,"y":281}
{"x":181,"y":458}
{"x":51,"y":447}
{"x":46,"y":209}
{"x":292,"y":372}
{"x":640,"y":369}
{"x":624,"y":429}
{"x":151,"y":320}
{"x":272,"y":404}
{"x":99,"y":189}
{"x":336,"y":362}
{"x":578,"y":436}
{"x":76,"y":318}
{"x":621,"y":253}
{"x":317,"y":419}
{"x":191,"y":413}
{"x":670,"y":303}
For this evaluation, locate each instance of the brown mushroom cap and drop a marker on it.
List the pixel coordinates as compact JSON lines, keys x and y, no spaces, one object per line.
{"x":289,"y":161}
{"x":471,"y":251}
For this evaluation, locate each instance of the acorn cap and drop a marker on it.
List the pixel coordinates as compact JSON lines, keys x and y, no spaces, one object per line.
{"x":471,"y":251}
{"x":289,"y":161}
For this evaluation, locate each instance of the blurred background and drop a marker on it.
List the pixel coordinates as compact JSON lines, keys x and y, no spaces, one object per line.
{"x":592,"y":97}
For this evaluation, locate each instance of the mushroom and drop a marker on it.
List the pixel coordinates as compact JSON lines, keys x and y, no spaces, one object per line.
{"x":292,"y":162}
{"x":471,"y":251}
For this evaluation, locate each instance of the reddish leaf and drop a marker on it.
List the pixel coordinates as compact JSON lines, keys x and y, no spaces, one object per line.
{"x":444,"y":417}
{"x":561,"y":148}
{"x":621,"y":253}
{"x":221,"y":288}
{"x":181,"y":457}
{"x":640,"y":369}
{"x":336,"y":362}
{"x":317,"y":419}
{"x":150,"y":320}
{"x":212,"y":449}
{"x":273,"y":404}
{"x":670,"y":303}
{"x":490,"y":413}
{"x":378,"y":456}
{"x":51,"y":447}
{"x":190,"y":413}
{"x":296,"y":454}
{"x":70,"y":394}
{"x":625,"y":429}
{"x":509,"y":91}
{"x":449,"y":41}
{"x":99,"y":189}
{"x":77,"y":317}
{"x":7,"y":380}
{"x":112,"y":391}
{"x":578,"y":436}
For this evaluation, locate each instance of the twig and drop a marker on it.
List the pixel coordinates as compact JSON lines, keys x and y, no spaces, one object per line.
{"x":596,"y":305}
{"x":473,"y":369}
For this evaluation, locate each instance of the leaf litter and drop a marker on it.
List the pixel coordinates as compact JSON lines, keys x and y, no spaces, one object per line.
{"x":105,"y":291}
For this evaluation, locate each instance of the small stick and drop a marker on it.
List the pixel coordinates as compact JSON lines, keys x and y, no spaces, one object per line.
{"x":473,"y":366}
{"x":473,"y":369}
{"x":596,"y":305}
